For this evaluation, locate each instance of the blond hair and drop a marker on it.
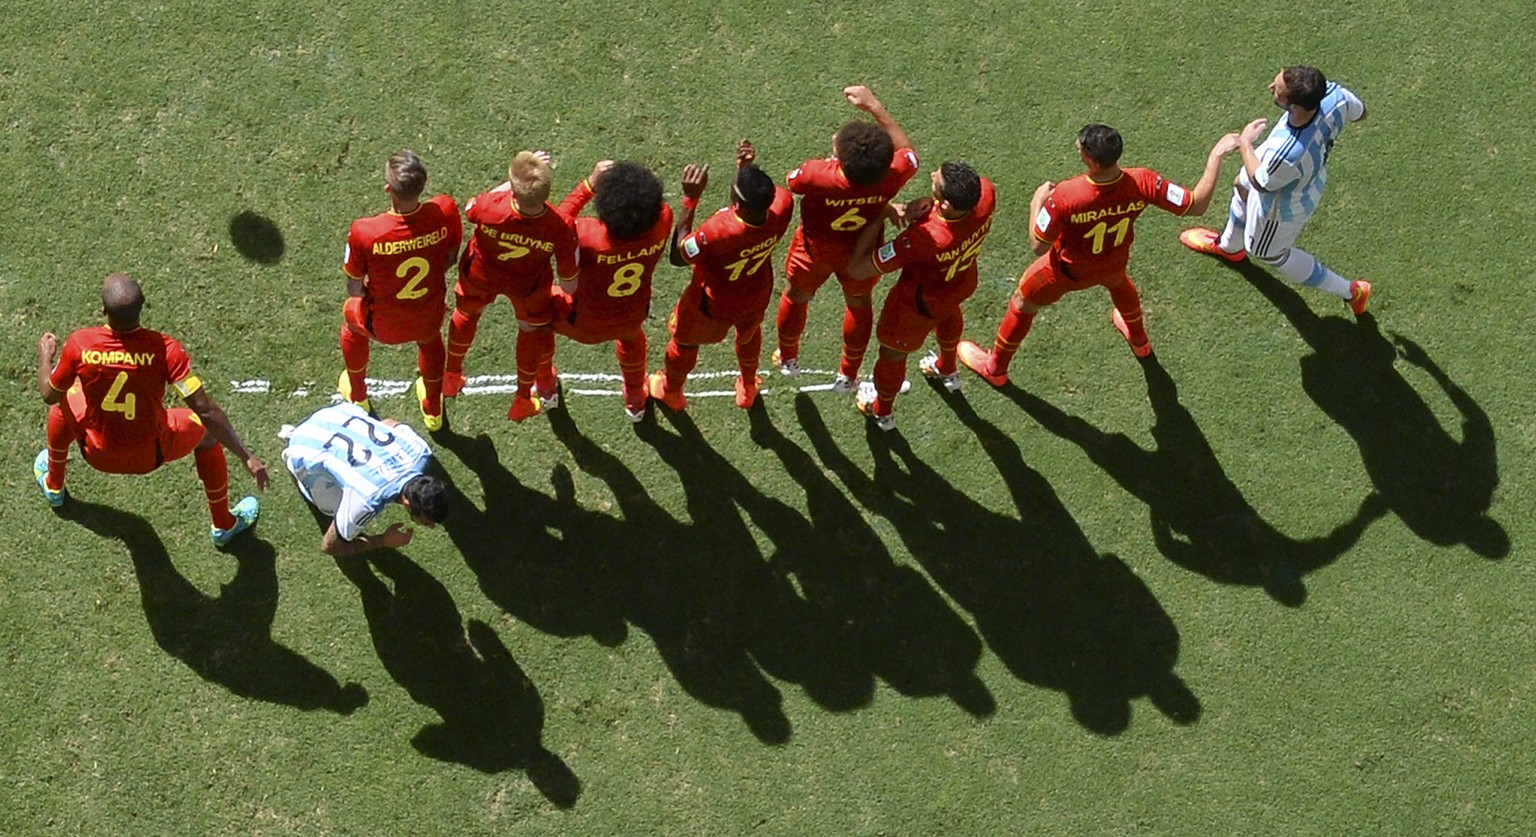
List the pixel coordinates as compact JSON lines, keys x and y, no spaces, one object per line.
{"x":529,"y":176}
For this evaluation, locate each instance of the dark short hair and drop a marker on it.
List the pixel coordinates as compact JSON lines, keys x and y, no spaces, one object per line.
{"x":754,"y":188}
{"x":962,"y":185}
{"x":1304,"y":86}
{"x":405,"y":173}
{"x":1101,"y":143}
{"x":427,"y":496}
{"x":865,"y":150}
{"x":628,"y":199}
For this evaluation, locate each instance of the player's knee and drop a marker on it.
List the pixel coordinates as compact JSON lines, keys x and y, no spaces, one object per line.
{"x":859,"y":300}
{"x":796,"y":295}
{"x":1272,"y":259}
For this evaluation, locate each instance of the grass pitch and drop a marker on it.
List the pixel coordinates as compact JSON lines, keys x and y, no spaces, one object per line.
{"x":1273,"y":581}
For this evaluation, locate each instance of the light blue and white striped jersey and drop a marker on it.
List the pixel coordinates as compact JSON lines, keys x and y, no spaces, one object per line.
{"x":1293,"y":162}
{"x":351,"y":465}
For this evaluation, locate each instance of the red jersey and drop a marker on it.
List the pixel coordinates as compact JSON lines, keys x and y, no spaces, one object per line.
{"x":1091,"y":225}
{"x":515,"y":250}
{"x":937,"y":258}
{"x":613,"y":277}
{"x":123,"y":375}
{"x":403,"y":260}
{"x":832,"y":209}
{"x":730,"y":258}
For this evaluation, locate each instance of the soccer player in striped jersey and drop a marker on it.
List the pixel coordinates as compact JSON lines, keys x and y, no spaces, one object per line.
{"x":352,"y":466}
{"x":1282,"y":183}
{"x":106,"y":390}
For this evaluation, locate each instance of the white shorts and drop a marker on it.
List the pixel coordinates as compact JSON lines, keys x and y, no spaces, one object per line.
{"x":1263,"y":235}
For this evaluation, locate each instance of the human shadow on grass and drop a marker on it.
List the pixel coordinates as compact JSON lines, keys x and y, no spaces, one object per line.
{"x":574,"y":571}
{"x":860,"y":615}
{"x":1054,"y":611}
{"x":1439,"y":486}
{"x":225,"y":639}
{"x":493,"y":717}
{"x":1200,"y":518}
{"x":256,"y":237}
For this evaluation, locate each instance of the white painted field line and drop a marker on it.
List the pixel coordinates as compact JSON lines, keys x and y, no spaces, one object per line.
{"x":507,"y":385}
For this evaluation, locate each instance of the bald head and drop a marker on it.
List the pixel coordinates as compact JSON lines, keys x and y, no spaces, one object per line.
{"x":121,"y":301}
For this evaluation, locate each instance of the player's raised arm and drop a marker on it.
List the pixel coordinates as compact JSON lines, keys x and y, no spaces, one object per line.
{"x":1245,"y":141}
{"x":47,"y":354}
{"x":214,"y":418}
{"x":695,"y":179}
{"x":1200,"y":196}
{"x":864,"y":99}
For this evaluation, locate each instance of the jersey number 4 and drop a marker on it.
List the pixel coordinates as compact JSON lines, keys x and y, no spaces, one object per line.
{"x":117,"y":402}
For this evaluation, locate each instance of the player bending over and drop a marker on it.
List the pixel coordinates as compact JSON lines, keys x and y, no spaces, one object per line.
{"x":1282,"y":183}
{"x":732,"y":258}
{"x":106,"y":390}
{"x":352,"y":466}
{"x":1081,"y":231}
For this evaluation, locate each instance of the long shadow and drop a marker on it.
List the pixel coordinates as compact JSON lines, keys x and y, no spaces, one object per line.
{"x":861,"y":615}
{"x":225,"y":639}
{"x":1200,"y":519}
{"x":493,"y":717}
{"x":1439,"y":486}
{"x":1054,"y":611}
{"x":562,"y":567}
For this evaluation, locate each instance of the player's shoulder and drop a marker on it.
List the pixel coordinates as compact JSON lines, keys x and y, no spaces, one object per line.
{"x":904,"y":162}
{"x":820,"y":171}
{"x":445,"y":203}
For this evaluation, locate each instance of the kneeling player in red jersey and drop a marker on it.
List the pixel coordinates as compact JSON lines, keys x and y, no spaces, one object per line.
{"x":731,"y":254}
{"x":517,"y":235}
{"x":839,"y":196}
{"x":937,"y":255}
{"x":617,"y":253}
{"x":106,"y":391}
{"x":397,"y":267}
{"x":1082,"y":230}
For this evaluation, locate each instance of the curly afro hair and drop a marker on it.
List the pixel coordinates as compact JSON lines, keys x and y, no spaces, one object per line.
{"x":865,"y":150}
{"x":628,"y":200}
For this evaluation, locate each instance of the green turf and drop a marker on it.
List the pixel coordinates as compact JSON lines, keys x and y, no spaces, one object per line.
{"x":1273,"y":582}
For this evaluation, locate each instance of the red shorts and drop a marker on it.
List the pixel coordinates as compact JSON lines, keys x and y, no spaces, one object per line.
{"x":1042,"y":285}
{"x":592,"y":332}
{"x":181,"y":433}
{"x":393,"y":328}
{"x":902,"y":328}
{"x":808,"y":265}
{"x":692,"y":325}
{"x":529,"y":297}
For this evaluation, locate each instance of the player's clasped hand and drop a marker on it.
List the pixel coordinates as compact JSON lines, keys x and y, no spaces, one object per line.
{"x":258,"y":471}
{"x":397,"y":535}
{"x":1252,"y":130}
{"x":746,"y":153}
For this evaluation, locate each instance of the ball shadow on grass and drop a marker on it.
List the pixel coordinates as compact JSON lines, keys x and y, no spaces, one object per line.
{"x":256,"y":238}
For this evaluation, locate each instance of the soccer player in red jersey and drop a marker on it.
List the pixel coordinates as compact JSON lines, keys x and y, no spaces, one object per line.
{"x":839,"y":196}
{"x":517,"y":235}
{"x":732,"y":281}
{"x":936,"y":255}
{"x":397,"y":268}
{"x":616,"y":256}
{"x":1081,"y":231}
{"x":106,"y":391}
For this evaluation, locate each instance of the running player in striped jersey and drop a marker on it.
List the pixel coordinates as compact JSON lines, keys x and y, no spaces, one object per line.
{"x":106,"y":391}
{"x":1282,"y":183}
{"x":352,"y":466}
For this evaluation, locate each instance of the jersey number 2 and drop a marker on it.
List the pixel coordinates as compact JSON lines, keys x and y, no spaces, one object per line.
{"x":418,"y":268}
